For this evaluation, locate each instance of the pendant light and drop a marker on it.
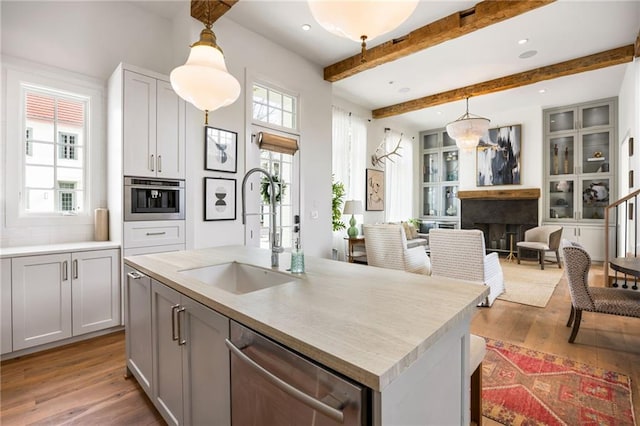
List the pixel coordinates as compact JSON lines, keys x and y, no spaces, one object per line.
{"x":468,"y":129}
{"x":203,"y":80}
{"x":361,"y":20}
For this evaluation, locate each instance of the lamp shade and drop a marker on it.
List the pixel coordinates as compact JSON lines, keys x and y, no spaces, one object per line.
{"x":353,"y":207}
{"x":468,"y":131}
{"x":204,"y":81}
{"x":356,"y":18}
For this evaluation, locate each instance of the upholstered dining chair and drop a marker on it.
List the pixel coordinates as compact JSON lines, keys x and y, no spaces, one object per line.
{"x":386,"y":247}
{"x":461,"y":254}
{"x":604,"y":300}
{"x":541,"y":239}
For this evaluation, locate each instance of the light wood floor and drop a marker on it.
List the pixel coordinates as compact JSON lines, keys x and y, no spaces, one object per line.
{"x":83,"y":383}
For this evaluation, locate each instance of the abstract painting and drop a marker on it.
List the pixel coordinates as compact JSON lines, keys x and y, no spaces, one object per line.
{"x":220,"y":150}
{"x":498,"y":156}
{"x":375,"y":190}
{"x":219,"y":199}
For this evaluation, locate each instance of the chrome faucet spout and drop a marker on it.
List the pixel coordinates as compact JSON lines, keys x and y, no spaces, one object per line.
{"x":276,"y":248}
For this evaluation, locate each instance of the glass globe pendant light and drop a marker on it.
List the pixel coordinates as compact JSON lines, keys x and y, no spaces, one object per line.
{"x":203,"y":80}
{"x":361,"y":19}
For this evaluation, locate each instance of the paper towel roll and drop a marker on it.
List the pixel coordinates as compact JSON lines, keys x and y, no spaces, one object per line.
{"x":101,"y":225}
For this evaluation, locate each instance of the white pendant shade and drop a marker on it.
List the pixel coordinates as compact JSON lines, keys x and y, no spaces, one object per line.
{"x":467,"y":130}
{"x":204,"y":80}
{"x":356,"y":18}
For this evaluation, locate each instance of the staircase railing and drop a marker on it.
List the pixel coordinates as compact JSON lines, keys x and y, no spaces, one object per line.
{"x":630,"y":205}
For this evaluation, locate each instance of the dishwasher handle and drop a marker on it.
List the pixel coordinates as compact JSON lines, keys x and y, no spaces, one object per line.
{"x":296,"y":393}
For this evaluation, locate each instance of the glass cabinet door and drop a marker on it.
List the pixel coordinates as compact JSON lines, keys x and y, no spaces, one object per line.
{"x":450,"y":166}
{"x":595,"y":152}
{"x":595,"y":116}
{"x":561,"y":154}
{"x":430,"y":141}
{"x":429,"y":201}
{"x":450,"y":200}
{"x":562,"y":121}
{"x":595,"y":197}
{"x":561,"y":199}
{"x":430,"y":168}
{"x":447,"y":141}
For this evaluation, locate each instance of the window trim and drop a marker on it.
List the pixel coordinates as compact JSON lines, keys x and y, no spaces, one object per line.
{"x":18,"y":72}
{"x":296,"y":122}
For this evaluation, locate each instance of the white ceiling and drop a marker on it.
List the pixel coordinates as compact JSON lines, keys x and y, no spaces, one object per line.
{"x":560,"y":31}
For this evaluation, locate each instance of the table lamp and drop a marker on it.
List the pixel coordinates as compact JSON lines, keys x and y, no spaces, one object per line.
{"x":352,"y":207}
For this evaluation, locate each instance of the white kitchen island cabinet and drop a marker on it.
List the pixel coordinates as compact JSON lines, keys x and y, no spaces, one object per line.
{"x":6,"y":344}
{"x":404,"y":336}
{"x":61,"y":295}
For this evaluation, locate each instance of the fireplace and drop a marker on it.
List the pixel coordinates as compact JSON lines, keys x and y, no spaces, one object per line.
{"x":502,"y":215}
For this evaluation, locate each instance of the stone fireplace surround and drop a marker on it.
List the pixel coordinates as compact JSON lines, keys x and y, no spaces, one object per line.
{"x":500,"y":214}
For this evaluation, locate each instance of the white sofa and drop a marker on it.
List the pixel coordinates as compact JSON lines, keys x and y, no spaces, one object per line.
{"x":461,"y":254}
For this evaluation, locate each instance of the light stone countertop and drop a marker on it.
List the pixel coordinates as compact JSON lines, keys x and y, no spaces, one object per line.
{"x":56,"y":248}
{"x":367,"y":323}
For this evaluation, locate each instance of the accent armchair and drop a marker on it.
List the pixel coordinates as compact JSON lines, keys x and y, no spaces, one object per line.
{"x":542,"y":239}
{"x":386,"y":246}
{"x":461,"y":254}
{"x":602,"y":300}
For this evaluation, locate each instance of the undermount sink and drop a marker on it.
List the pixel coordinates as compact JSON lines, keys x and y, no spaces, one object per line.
{"x":238,"y":278}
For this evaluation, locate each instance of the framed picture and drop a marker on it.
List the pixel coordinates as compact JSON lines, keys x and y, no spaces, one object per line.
{"x":498,"y":156}
{"x":375,"y":190}
{"x":220,"y":150}
{"x":219,"y":199}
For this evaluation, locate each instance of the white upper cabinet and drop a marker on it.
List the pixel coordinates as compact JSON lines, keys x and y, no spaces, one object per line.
{"x":153,"y":128}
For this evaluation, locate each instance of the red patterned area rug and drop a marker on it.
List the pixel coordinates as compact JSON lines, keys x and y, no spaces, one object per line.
{"x":525,"y":387}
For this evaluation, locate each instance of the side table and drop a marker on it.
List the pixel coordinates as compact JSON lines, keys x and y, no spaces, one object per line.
{"x":355,"y":250}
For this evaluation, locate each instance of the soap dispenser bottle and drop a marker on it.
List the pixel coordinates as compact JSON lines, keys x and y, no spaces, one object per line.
{"x":297,"y":255}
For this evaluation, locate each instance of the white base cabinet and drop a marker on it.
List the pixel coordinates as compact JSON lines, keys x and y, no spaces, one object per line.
{"x":6,"y":344}
{"x":176,"y":350}
{"x":590,"y":237}
{"x":57,"y":296}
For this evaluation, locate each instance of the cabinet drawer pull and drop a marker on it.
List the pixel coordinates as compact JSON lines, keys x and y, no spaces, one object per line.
{"x":75,"y":268}
{"x":181,"y":340}
{"x":135,"y":275}
{"x":151,"y":163}
{"x":174,"y":310}
{"x":65,"y":270}
{"x":159,"y":163}
{"x":156,"y":233}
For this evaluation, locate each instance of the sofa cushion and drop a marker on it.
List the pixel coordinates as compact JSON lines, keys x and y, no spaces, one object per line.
{"x":416,"y":242}
{"x":413,"y":231}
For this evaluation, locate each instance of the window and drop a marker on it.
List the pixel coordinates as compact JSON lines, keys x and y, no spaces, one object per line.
{"x":54,"y":164}
{"x":280,"y":166}
{"x":274,"y":107}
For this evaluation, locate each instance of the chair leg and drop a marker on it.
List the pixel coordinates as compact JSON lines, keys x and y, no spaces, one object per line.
{"x":576,"y":325}
{"x":571,"y":316}
{"x":519,"y":255}
{"x":541,"y":257}
{"x":476,"y":396}
{"x":558,"y":259}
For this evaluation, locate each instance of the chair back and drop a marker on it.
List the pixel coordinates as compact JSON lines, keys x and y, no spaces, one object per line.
{"x":577,"y":263}
{"x":385,"y":244}
{"x":457,"y":253}
{"x":548,"y":234}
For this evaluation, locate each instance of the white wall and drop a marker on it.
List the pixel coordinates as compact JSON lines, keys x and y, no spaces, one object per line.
{"x":629,"y":125}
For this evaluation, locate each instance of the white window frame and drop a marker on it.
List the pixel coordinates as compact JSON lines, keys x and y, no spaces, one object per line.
{"x":16,"y":73}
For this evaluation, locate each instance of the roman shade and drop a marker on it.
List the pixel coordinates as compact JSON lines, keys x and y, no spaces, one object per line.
{"x":277,"y":143}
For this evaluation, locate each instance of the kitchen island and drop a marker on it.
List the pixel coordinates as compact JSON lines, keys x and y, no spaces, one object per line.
{"x":404,"y":336}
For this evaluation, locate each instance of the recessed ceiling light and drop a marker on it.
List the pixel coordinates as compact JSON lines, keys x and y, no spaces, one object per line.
{"x":404,"y":90}
{"x":542,"y":91}
{"x":306,"y":27}
{"x":528,"y":54}
{"x":439,"y":112}
{"x":523,"y":41}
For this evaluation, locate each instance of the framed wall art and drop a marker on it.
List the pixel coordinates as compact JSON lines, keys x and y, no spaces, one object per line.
{"x":375,"y":190}
{"x":498,"y":156}
{"x":219,"y":199}
{"x":220,"y":150}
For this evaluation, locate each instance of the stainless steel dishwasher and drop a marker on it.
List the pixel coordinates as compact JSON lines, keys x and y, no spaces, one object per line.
{"x":271,"y":385}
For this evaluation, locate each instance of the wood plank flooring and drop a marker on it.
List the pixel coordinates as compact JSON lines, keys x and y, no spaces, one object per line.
{"x":83,"y":383}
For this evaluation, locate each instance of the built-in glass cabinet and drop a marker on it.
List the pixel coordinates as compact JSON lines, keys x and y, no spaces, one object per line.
{"x":579,"y":161}
{"x":440,"y":169}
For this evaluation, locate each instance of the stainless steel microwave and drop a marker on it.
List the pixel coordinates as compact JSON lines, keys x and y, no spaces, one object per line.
{"x":153,"y":199}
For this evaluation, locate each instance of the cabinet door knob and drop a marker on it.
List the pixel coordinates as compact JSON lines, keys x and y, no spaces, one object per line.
{"x":65,"y":270}
{"x":75,"y":268}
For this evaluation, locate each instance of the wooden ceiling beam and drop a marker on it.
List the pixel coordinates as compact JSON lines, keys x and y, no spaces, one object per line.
{"x":482,"y":15}
{"x":596,"y":61}
{"x":637,"y":48}
{"x":212,"y":11}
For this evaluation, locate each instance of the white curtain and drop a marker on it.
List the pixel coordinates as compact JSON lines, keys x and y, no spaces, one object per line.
{"x":398,"y":178}
{"x":349,"y":144}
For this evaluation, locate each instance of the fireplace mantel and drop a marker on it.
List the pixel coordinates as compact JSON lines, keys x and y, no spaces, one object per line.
{"x":501,"y":194}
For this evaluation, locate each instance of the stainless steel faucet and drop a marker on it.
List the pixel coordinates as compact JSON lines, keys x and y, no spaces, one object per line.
{"x":276,"y":249}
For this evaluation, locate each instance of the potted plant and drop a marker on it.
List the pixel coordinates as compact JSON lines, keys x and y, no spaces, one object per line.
{"x":338,"y":191}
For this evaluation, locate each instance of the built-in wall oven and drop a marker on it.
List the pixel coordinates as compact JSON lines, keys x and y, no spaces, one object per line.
{"x":271,"y":385}
{"x":153,"y":199}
